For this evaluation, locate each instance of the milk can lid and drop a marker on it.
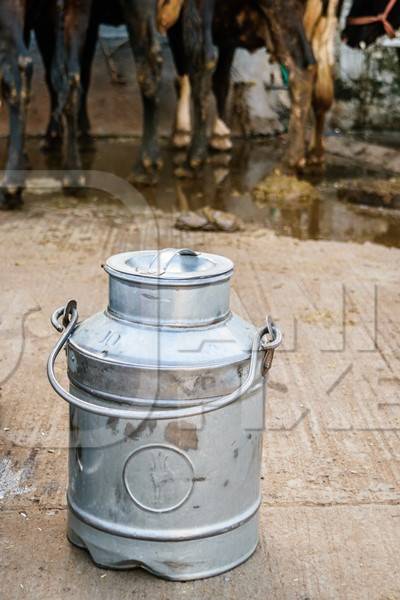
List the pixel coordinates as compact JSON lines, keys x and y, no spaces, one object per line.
{"x":169,"y":265}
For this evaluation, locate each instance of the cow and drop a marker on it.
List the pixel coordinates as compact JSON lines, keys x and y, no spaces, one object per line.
{"x":194,"y":55}
{"x":77,"y":27}
{"x":67,"y":33}
{"x":51,"y":21}
{"x":17,"y":19}
{"x":370,"y":19}
{"x":81,"y":20}
{"x":300,"y":37}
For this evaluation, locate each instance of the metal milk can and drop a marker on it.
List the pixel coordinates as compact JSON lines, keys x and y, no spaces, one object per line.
{"x":166,"y":394}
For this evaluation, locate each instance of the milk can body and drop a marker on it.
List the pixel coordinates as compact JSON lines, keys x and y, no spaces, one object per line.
{"x":166,"y":417}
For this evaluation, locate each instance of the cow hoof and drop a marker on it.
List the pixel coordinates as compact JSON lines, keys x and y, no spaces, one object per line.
{"x":288,"y":167}
{"x":316,"y":161}
{"x":284,"y":168}
{"x":197,"y":159}
{"x":145,"y":178}
{"x":184,"y":172}
{"x":181,"y":139}
{"x":144,"y":175}
{"x":193,"y":164}
{"x":74,"y":183}
{"x":179,"y":159}
{"x":152,"y":164}
{"x":11,"y":200}
{"x":197,"y":154}
{"x":221,"y":143}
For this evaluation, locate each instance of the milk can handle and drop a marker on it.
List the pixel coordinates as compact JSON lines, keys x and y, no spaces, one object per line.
{"x":69,"y":314}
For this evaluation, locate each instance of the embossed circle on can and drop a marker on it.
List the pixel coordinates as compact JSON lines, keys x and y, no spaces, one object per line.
{"x":158,"y":477}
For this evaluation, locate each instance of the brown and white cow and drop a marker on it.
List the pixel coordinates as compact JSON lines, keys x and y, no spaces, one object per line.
{"x":300,"y":36}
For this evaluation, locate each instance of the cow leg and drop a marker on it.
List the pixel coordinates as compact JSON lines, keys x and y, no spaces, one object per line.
{"x":197,"y":154}
{"x":16,"y":88}
{"x":292,"y":48}
{"x":221,"y":135}
{"x":183,"y":120}
{"x":201,"y":60}
{"x":140,"y":20}
{"x":321,"y":103}
{"x":76,"y":24}
{"x":86,"y":140}
{"x":300,"y":89}
{"x":321,"y":28}
{"x":73,"y":160}
{"x":45,"y":32}
{"x":207,"y":17}
{"x":182,"y":134}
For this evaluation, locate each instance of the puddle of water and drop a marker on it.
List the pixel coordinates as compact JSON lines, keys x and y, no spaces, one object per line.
{"x":229,"y":188}
{"x":390,"y":139}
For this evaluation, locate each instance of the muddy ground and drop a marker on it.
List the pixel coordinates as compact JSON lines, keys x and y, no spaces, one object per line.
{"x":328,"y":273}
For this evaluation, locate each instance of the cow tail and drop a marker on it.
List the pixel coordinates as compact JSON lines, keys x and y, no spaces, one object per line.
{"x":193,"y":37}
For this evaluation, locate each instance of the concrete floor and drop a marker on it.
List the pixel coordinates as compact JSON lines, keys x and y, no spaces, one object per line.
{"x":330,"y":517}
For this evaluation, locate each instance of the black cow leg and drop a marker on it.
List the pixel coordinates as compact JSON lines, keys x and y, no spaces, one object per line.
{"x":53,"y":138}
{"x":86,"y":140}
{"x":13,"y":182}
{"x":77,"y":20}
{"x":201,"y":61}
{"x":182,"y":133}
{"x":149,"y":163}
{"x":221,"y":81}
{"x":200,"y":84}
{"x":45,"y":32}
{"x":73,"y":179}
{"x":17,"y":93}
{"x":207,"y":9}
{"x":140,"y":20}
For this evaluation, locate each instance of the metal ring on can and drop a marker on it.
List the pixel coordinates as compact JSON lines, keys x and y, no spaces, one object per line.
{"x":70,"y":319}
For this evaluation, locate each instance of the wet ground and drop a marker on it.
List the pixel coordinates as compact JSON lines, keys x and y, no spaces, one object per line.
{"x":384,"y":137}
{"x":226,"y":183}
{"x":330,"y":515}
